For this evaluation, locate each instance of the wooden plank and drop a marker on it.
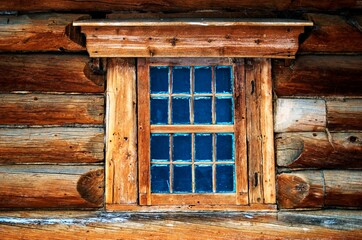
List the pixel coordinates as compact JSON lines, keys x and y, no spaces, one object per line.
{"x":267,"y":131}
{"x":319,"y":150}
{"x":38,"y":32}
{"x":121,"y":151}
{"x":193,"y":41}
{"x":193,"y":199}
{"x":51,"y":145}
{"x":176,"y":6}
{"x":41,"y":109}
{"x":331,"y":34}
{"x":317,"y":189}
{"x":50,"y":73}
{"x":191,"y":128}
{"x":293,"y":115}
{"x":344,"y":114}
{"x":313,"y":75}
{"x":284,"y":225}
{"x":39,"y":186}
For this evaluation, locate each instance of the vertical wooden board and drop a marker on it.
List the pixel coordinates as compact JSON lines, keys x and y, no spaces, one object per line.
{"x":344,"y":114}
{"x":254,"y":138}
{"x":304,"y":115}
{"x":121,"y":132}
{"x":267,"y":131}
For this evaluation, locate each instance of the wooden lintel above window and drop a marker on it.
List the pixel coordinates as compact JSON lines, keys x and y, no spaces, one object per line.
{"x":264,"y":38}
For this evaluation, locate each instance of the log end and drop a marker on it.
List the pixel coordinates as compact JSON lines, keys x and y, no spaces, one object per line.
{"x":91,"y":186}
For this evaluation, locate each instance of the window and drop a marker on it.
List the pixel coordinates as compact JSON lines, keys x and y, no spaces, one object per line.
{"x":195,"y":136}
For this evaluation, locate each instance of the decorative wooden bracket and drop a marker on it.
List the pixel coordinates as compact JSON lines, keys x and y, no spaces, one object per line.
{"x":267,"y":38}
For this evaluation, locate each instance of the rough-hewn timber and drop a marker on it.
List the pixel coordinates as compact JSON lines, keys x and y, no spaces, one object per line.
{"x":313,"y":75}
{"x":344,"y":114}
{"x":38,"y":32}
{"x":319,"y":150}
{"x":332,"y":34}
{"x":50,"y":73}
{"x":319,"y":189}
{"x":41,"y":186}
{"x":51,"y":145}
{"x":47,"y":109}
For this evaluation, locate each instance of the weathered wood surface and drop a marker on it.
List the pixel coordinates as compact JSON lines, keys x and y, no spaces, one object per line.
{"x":284,"y":225}
{"x":38,"y":32}
{"x":51,"y":145}
{"x":319,"y":189}
{"x":313,"y":75}
{"x":193,"y":41}
{"x":121,"y":140}
{"x":332,"y":34}
{"x":293,"y":115}
{"x":46,"y":109}
{"x":345,"y":114}
{"x":319,"y":150}
{"x":50,"y":73}
{"x":39,"y":186}
{"x":160,"y":5}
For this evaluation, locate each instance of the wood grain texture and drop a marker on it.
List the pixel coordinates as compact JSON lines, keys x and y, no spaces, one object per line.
{"x":344,"y":114}
{"x":318,"y":150}
{"x":121,"y":140}
{"x":331,"y":34}
{"x":45,"y":109}
{"x":313,"y":75}
{"x":51,"y":145}
{"x":49,"y":73}
{"x":37,"y":186}
{"x":193,"y":41}
{"x":37,"y":32}
{"x":176,"y":6}
{"x":284,"y":225}
{"x":293,"y":115}
{"x":319,"y":189}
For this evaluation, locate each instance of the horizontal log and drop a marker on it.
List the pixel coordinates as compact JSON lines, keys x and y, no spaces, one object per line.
{"x":313,"y":75}
{"x":344,"y":114}
{"x":38,"y":32}
{"x":332,"y":34}
{"x":40,"y":109}
{"x":319,"y":189}
{"x":160,"y":5}
{"x":283,"y":225}
{"x":293,"y":115}
{"x":50,"y":73}
{"x":37,"y":186}
{"x":51,"y":145}
{"x":318,"y":150}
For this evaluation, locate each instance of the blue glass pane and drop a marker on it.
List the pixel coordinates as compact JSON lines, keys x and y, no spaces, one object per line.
{"x":159,"y":110}
{"x":223,"y":79}
{"x":159,"y":79}
{"x":181,"y":147}
{"x":182,"y":180}
{"x":203,"y":79}
{"x":225,"y":178}
{"x":224,"y":110}
{"x":203,"y":178}
{"x":181,"y":80}
{"x":180,"y":110}
{"x":160,"y":147}
{"x":224,"y":147}
{"x":160,"y":178}
{"x":202,"y":110}
{"x":203,"y":147}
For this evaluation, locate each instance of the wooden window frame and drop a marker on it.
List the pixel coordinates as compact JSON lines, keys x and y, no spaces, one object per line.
{"x":121,"y":136}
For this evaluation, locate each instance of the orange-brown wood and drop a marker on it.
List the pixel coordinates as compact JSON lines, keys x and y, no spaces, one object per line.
{"x":191,"y":128}
{"x":37,"y":186}
{"x":121,"y":136}
{"x":193,"y":199}
{"x":38,"y":32}
{"x":51,"y":145}
{"x":344,"y":114}
{"x":50,"y":73}
{"x":51,"y":109}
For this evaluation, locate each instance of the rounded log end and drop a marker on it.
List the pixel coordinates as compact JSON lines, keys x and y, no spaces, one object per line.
{"x":91,"y":186}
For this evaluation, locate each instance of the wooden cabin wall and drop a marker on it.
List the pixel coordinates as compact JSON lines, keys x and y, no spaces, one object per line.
{"x":52,"y":101}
